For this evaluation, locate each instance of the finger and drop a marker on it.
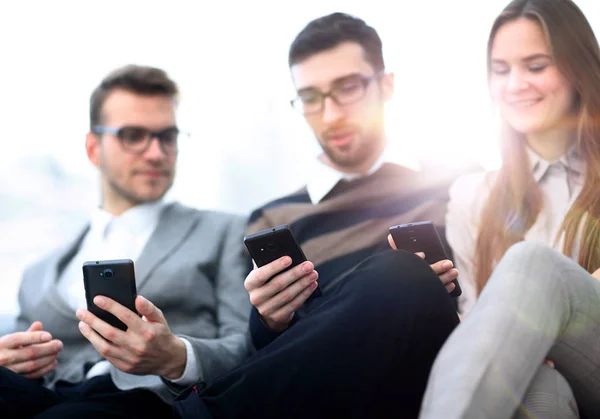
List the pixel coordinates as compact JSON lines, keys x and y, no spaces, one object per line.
{"x":279,"y":283}
{"x":32,"y":352}
{"x":104,"y":347}
{"x":420,"y":254}
{"x":282,"y":281}
{"x":285,"y":314}
{"x":131,"y":319}
{"x":149,"y":310}
{"x":32,"y":365}
{"x":288,"y":295}
{"x":42,"y":371}
{"x":14,"y":340}
{"x":391,"y":242}
{"x":449,"y":276}
{"x":100,"y":327}
{"x":450,"y":287}
{"x":442,"y":266}
{"x":36,"y":327}
{"x":257,"y":278}
{"x":121,"y":364}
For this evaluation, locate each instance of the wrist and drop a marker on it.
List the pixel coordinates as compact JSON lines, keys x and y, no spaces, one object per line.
{"x":175,"y":366}
{"x":273,"y":326}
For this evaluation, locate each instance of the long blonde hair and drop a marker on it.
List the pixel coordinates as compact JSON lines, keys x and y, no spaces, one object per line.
{"x":515,"y":200}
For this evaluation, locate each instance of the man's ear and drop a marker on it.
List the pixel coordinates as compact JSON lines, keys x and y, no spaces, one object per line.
{"x":92,"y":148}
{"x":387,"y":86}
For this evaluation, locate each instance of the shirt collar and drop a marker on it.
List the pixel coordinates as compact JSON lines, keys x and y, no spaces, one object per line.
{"x":136,"y":220}
{"x":325,"y":177}
{"x":572,"y":161}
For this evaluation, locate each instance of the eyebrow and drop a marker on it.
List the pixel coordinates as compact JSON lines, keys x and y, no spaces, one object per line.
{"x":529,"y":58}
{"x":333,"y":83}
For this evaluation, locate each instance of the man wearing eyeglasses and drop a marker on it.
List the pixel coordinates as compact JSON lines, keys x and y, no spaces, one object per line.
{"x":189,"y":265}
{"x":364,"y":348}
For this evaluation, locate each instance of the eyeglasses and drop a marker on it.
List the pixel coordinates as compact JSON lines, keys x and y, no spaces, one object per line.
{"x":137,"y":140}
{"x":345,"y":91}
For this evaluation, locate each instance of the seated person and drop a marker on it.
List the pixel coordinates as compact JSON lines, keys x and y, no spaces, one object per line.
{"x":533,"y":302}
{"x":364,"y":348}
{"x":189,"y":263}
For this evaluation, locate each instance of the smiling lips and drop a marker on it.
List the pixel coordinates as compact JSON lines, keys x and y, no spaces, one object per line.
{"x":521,"y":104}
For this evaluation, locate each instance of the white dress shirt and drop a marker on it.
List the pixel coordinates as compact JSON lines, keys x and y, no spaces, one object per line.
{"x":324,"y":177}
{"x":560,"y":181}
{"x":121,"y":237}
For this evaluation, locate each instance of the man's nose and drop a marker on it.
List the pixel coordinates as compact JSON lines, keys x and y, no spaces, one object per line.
{"x":332,"y":112}
{"x":154,"y":151}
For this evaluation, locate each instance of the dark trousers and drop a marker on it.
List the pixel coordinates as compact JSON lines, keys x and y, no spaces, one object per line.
{"x":94,"y":398}
{"x":362,"y":350}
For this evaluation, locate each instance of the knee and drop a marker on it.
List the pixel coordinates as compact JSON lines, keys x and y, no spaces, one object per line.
{"x":399,"y":268}
{"x":398,"y":288}
{"x":527,"y":266}
{"x":527,"y":251}
{"x":549,"y":395}
{"x":398,"y":273}
{"x":398,"y":260}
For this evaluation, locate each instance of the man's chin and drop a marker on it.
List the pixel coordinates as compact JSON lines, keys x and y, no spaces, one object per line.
{"x":147,"y":197}
{"x":153,"y":189}
{"x":345,"y":159}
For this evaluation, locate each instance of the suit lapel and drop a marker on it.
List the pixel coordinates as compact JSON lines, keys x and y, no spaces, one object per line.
{"x":64,"y":256}
{"x":69,"y":253}
{"x":173,"y":227}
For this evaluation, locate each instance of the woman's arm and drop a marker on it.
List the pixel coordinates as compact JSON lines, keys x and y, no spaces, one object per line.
{"x":467,"y":195}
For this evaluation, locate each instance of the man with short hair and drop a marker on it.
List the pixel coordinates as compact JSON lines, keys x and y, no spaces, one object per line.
{"x":365,"y":347}
{"x":189,"y":265}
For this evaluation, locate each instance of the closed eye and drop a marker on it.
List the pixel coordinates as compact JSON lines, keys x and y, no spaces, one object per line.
{"x":309,"y":97}
{"x":349,"y":87}
{"x":500,"y":70}
{"x":537,"y":68}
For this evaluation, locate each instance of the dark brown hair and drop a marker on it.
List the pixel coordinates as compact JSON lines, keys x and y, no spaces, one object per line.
{"x":329,"y":31}
{"x":142,"y":80}
{"x":516,"y":200}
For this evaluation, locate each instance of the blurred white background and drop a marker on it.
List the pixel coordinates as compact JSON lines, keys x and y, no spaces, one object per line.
{"x":230,"y":61}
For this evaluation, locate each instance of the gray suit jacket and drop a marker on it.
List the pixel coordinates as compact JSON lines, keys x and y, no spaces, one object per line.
{"x":192,"y":268}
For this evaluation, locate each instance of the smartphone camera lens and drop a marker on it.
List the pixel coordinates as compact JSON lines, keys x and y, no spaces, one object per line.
{"x":108,"y":273}
{"x":271,"y":247}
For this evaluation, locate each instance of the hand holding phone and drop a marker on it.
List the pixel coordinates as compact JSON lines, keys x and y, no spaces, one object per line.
{"x":423,"y":237}
{"x":147,"y":347}
{"x":277,"y":308}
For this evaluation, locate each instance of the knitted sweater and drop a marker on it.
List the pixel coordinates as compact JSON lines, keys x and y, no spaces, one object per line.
{"x":351,"y":222}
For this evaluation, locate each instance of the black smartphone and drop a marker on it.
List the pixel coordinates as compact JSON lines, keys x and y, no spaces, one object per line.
{"x":114,"y":279}
{"x":268,"y":245}
{"x":423,"y":237}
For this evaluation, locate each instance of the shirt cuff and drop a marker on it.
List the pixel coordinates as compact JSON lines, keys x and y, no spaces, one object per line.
{"x":191,"y":373}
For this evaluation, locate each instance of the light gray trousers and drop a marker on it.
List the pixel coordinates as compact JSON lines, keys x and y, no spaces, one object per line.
{"x":538,"y":304}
